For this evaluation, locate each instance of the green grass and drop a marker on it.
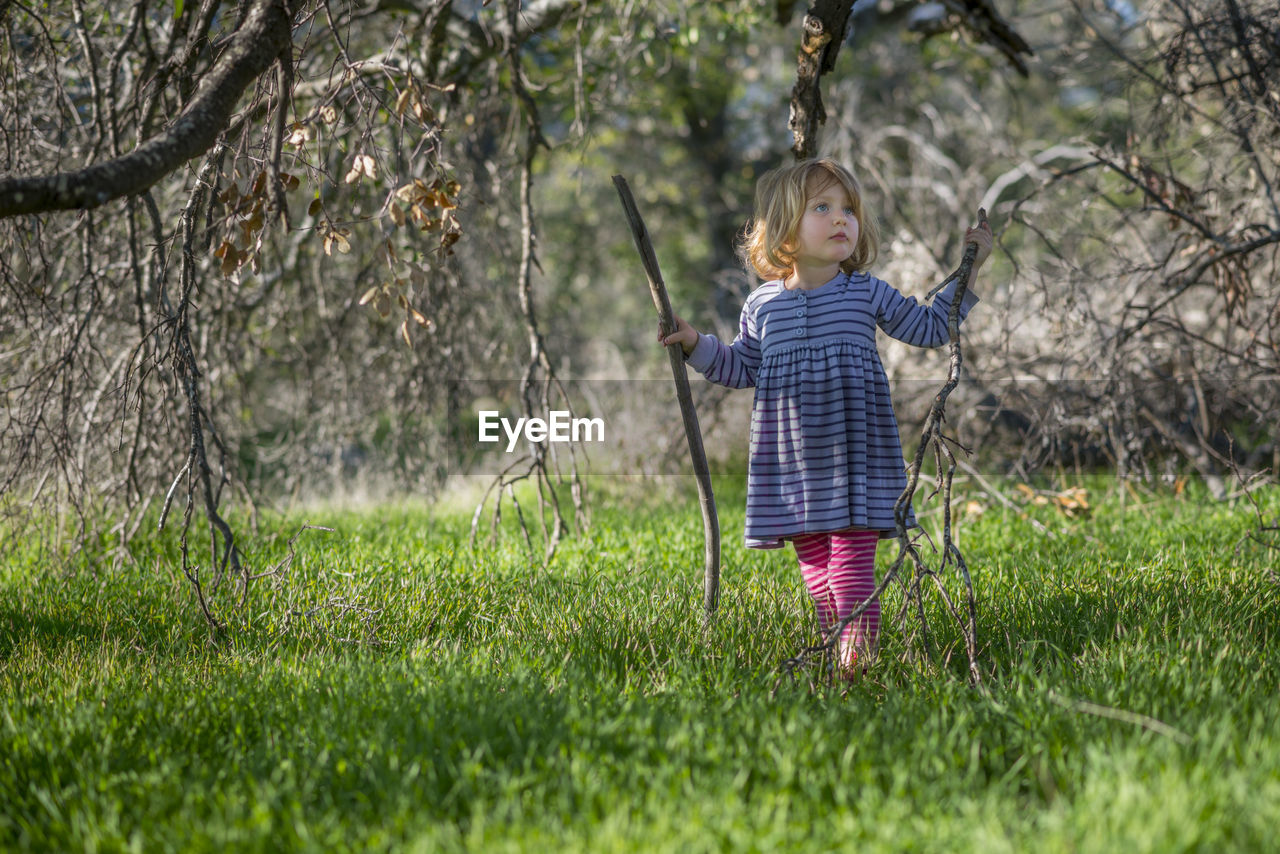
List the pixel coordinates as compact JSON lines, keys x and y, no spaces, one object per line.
{"x":476,"y":700}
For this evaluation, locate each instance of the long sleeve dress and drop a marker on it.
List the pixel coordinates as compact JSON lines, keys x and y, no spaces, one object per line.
{"x":825,"y":450}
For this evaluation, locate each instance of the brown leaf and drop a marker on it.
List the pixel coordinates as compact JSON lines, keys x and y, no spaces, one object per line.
{"x":369,"y":295}
{"x":315,"y":207}
{"x":396,"y":213}
{"x":404,"y":333}
{"x":383,"y":304}
{"x":230,"y":259}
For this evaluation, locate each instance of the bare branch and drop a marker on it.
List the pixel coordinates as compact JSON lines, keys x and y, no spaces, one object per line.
{"x":258,"y":43}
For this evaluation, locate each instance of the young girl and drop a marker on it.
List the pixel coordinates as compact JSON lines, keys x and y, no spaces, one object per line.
{"x":826,"y":463}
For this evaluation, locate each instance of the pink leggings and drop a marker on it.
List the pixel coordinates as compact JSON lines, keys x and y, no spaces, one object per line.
{"x":839,"y":568}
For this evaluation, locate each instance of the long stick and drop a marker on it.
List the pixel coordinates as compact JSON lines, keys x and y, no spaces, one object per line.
{"x":666,"y":319}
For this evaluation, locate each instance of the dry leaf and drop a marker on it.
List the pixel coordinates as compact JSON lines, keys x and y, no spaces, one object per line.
{"x":299,"y":134}
{"x":369,"y":295}
{"x":230,"y":257}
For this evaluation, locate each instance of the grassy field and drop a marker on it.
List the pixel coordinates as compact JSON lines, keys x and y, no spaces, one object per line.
{"x":398,"y":690}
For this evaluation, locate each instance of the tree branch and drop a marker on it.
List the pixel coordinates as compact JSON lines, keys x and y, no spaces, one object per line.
{"x":824,"y":28}
{"x":265,"y":34}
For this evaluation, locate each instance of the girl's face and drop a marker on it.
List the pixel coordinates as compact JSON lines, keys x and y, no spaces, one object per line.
{"x":828,"y":230}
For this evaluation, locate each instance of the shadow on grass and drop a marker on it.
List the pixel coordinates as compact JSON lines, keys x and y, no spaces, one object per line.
{"x":334,"y":752}
{"x":53,"y":632}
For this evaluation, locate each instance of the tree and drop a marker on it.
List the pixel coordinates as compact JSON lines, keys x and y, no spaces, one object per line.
{"x":192,"y":294}
{"x":1161,"y":269}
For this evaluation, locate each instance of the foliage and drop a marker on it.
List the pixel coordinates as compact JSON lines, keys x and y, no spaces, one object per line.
{"x":402,"y":690}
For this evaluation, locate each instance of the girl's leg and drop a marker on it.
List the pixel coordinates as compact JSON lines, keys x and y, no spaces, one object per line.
{"x":813,"y":551}
{"x":852,"y":574}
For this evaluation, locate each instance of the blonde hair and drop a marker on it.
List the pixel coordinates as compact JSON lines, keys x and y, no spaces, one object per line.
{"x":781,"y":195}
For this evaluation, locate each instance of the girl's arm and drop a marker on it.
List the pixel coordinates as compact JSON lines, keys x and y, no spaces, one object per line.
{"x":926,"y":325}
{"x":733,"y":365}
{"x":919,"y":325}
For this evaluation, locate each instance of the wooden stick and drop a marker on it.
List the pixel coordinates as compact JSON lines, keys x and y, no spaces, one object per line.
{"x":666,"y":319}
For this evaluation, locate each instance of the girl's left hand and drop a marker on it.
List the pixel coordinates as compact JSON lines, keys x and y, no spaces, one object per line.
{"x":980,"y":235}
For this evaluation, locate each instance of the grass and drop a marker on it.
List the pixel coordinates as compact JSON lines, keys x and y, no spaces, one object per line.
{"x":397,"y":690}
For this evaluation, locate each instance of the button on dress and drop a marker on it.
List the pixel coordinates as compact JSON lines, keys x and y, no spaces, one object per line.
{"x":825,"y":449}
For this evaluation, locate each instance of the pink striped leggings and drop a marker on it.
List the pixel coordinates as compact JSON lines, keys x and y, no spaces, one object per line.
{"x":839,"y":569}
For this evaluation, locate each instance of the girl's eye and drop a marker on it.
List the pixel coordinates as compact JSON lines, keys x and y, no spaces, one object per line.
{"x":848,"y":211}
{"x":821,"y":207}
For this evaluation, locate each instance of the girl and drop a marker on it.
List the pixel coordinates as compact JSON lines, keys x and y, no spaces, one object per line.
{"x":826,"y":463}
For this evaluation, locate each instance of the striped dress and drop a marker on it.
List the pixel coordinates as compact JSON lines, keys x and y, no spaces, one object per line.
{"x":825,"y":450}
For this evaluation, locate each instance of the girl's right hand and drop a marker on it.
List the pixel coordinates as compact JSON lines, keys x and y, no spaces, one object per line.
{"x":685,"y":335}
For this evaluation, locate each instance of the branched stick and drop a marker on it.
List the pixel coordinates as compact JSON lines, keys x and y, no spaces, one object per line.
{"x":697,"y":454}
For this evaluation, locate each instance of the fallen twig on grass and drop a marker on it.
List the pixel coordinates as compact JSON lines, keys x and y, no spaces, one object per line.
{"x":1145,"y":721}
